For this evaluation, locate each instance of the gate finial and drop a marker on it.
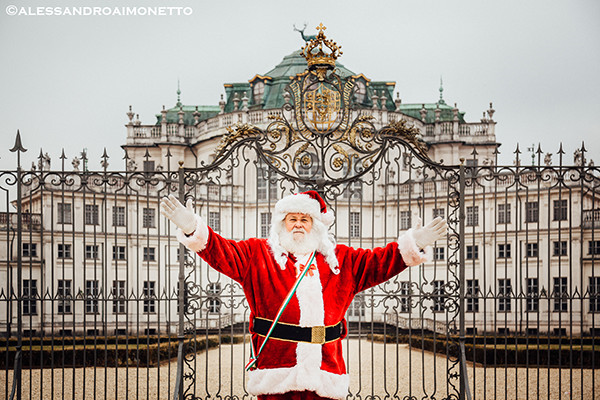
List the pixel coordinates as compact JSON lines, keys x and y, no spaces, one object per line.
{"x":18,"y":145}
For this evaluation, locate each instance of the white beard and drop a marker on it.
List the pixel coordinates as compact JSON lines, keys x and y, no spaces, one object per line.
{"x":299,"y":243}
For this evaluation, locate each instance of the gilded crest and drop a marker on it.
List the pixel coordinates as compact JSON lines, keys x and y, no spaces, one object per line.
{"x":322,"y":107}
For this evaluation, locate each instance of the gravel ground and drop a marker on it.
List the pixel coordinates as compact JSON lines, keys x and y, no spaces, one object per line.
{"x":378,"y":369}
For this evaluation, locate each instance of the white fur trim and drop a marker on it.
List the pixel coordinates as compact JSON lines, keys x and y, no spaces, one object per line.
{"x":411,"y":254}
{"x":298,"y":378}
{"x":310,"y":297}
{"x":301,"y":203}
{"x":197,"y":241}
{"x":307,"y":373}
{"x":279,"y":253}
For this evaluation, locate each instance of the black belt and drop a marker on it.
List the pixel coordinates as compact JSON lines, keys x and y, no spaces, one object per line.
{"x":295,"y":333}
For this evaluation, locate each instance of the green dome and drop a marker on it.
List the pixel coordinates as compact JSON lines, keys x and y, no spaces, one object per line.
{"x":276,"y":80}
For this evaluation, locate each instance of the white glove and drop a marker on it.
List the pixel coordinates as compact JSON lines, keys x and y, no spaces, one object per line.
{"x":183,"y":217}
{"x":427,"y":235}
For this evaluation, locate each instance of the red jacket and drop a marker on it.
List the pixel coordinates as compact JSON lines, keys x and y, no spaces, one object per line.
{"x":321,"y":299}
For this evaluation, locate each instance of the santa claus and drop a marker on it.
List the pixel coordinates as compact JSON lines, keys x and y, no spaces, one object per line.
{"x":299,"y":284}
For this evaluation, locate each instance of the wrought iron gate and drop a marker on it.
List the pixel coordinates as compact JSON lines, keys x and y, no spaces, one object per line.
{"x":378,"y":181}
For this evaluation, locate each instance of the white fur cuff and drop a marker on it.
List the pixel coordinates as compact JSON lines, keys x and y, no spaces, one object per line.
{"x":197,"y":241}
{"x":411,"y":254}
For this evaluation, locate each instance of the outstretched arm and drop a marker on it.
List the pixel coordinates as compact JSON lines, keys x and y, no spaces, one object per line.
{"x":372,"y":267}
{"x":226,"y":256}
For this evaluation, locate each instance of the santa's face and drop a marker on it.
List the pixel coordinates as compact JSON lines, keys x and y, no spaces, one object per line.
{"x":298,"y":237}
{"x":299,"y":224}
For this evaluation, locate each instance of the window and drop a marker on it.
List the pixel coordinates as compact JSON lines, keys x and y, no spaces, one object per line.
{"x":64,"y":213}
{"x":560,"y":331}
{"x":353,"y":190}
{"x":118,"y":293}
{"x":504,"y":213}
{"x":471,"y":167}
{"x":405,"y":296}
{"x":439,"y":212}
{"x":64,"y":250}
{"x":118,"y":252}
{"x":472,"y":295}
{"x":91,"y":297}
{"x":214,"y":302}
{"x":258,"y":90}
{"x":213,"y":191}
{"x":438,"y":296}
{"x":473,"y":216}
{"x":594,"y":291}
{"x":30,"y":296}
{"x":148,"y":217}
{"x":265,"y":224}
{"x":472,"y":252}
{"x":29,"y":250}
{"x":532,"y":294}
{"x":504,"y":292}
{"x":357,"y":307}
{"x":593,"y":247}
{"x":149,"y":166}
{"x":64,"y":295}
{"x":214,"y":220}
{"x":559,"y":248}
{"x":532,"y":211}
{"x":118,"y":216}
{"x":560,"y":210}
{"x":91,"y":214}
{"x":354,"y":224}
{"x":149,"y":254}
{"x":91,"y":252}
{"x":405,"y":222}
{"x":266,"y":187}
{"x":360,"y":91}
{"x":531,"y":250}
{"x":308,"y":170}
{"x":504,"y":250}
{"x":149,"y":296}
{"x":439,"y":253}
{"x":560,"y":294}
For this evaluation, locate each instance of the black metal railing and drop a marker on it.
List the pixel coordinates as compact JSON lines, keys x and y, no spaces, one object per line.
{"x":94,"y":281}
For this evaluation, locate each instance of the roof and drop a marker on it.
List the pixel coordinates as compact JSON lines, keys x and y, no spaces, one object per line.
{"x":277,"y":79}
{"x":206,"y":112}
{"x":446,"y":112}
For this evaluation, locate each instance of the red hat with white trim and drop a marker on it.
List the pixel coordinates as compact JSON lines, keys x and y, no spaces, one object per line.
{"x":309,"y":202}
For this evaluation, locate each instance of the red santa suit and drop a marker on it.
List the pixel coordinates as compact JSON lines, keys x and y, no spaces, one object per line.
{"x":266,"y":273}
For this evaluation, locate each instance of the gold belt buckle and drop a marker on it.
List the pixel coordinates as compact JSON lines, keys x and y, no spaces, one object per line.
{"x":318,"y":335}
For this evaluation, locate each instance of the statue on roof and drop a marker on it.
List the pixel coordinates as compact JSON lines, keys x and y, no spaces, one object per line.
{"x":307,"y":38}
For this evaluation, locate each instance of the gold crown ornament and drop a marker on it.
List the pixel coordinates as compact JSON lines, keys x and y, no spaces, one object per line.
{"x":321,"y":52}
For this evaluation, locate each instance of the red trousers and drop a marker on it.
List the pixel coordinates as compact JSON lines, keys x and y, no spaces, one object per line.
{"x":305,"y":395}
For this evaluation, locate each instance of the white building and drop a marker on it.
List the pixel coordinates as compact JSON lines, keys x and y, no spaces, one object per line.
{"x":99,"y":260}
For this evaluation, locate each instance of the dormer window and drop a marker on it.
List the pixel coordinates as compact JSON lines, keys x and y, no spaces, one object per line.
{"x":360,"y":92}
{"x":258,"y":91}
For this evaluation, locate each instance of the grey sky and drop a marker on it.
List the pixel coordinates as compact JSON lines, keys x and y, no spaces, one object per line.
{"x":66,"y":82}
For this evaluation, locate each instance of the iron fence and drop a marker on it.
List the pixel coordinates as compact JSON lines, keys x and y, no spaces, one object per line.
{"x":93,"y":281}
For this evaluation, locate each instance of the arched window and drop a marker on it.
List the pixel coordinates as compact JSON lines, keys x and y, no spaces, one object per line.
{"x":258,"y":90}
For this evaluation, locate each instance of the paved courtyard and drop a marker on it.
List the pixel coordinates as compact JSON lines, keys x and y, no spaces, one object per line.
{"x":384,"y":371}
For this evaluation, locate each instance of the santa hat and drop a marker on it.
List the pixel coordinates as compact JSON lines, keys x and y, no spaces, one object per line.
{"x":309,"y":203}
